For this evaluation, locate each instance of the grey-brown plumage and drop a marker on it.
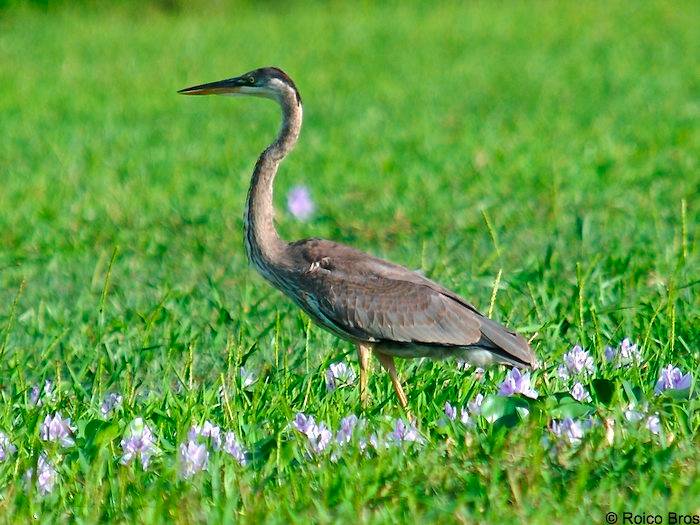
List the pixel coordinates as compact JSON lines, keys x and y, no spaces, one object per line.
{"x":380,"y":306}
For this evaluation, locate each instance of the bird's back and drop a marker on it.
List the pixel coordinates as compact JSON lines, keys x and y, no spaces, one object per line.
{"x":363,"y":298}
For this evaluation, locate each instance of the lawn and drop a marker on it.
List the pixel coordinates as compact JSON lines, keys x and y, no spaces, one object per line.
{"x":541,"y":159}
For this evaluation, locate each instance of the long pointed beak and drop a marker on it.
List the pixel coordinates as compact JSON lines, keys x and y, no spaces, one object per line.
{"x":220,"y":87}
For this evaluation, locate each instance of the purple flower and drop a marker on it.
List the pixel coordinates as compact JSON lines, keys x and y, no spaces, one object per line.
{"x":347,"y":426}
{"x":568,"y":430}
{"x":345,"y":433}
{"x":404,"y":432}
{"x":576,"y":361}
{"x":517,"y":383}
{"x":34,"y":395}
{"x":450,"y":411}
{"x":653,"y":423}
{"x":303,"y":423}
{"x":112,"y":401}
{"x":339,"y":375}
{"x":38,"y":395}
{"x":465,"y":413}
{"x":138,"y":441}
{"x":234,"y":448}
{"x":57,"y":429}
{"x":632,"y":414}
{"x":318,"y":435}
{"x":207,"y":431}
{"x":248,"y":379}
{"x":6,"y":447}
{"x":299,"y":203}
{"x":475,"y":406}
{"x":193,"y":458}
{"x":627,"y":353}
{"x":466,"y":416}
{"x":579,"y":393}
{"x":610,"y":354}
{"x":47,"y":475}
{"x":374,"y":441}
{"x":671,"y":378}
{"x":319,"y":438}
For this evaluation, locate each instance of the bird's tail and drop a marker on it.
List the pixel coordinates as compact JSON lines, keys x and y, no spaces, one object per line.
{"x":510,"y":347}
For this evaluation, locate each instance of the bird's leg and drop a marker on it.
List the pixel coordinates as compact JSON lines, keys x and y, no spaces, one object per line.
{"x":387,"y":362}
{"x":363,"y":353}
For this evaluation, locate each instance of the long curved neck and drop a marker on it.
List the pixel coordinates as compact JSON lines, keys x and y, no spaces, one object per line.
{"x":264,"y":247}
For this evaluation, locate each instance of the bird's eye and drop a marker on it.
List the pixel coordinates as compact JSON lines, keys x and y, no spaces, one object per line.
{"x":251,"y":80}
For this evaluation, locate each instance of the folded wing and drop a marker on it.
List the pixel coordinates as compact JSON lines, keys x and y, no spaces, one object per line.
{"x":366,"y":298}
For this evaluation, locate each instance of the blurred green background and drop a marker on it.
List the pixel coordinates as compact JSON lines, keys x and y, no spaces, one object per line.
{"x":572,"y":130}
{"x":557,"y":142}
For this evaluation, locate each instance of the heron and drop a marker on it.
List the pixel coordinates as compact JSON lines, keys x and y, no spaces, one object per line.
{"x":385,"y":309}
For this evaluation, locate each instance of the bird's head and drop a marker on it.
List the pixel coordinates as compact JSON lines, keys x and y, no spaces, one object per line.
{"x":267,"y":82}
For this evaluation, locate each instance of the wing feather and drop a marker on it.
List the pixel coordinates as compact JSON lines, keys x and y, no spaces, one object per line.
{"x":389,"y":310}
{"x":371,"y":299}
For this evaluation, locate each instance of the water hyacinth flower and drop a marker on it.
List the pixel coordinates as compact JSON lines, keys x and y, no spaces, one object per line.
{"x":47,"y":476}
{"x":653,"y":423}
{"x":671,"y":378}
{"x":232,"y":447}
{"x":6,"y":447}
{"x":465,"y":418}
{"x":57,"y":429}
{"x":38,"y":395}
{"x":579,"y":393}
{"x":303,"y":423}
{"x":632,"y":414}
{"x":577,"y":361}
{"x":475,"y":406}
{"x":194,"y":457}
{"x":610,"y":354}
{"x":347,"y":427}
{"x":517,"y":383}
{"x":111,"y":402}
{"x":140,"y":442}
{"x":374,"y":441}
{"x":450,"y":411}
{"x":207,"y":431}
{"x":627,"y":353}
{"x":568,"y":430}
{"x":345,"y":434}
{"x":404,"y":432}
{"x":318,"y":435}
{"x":319,"y":438}
{"x":299,"y":203}
{"x":339,"y":375}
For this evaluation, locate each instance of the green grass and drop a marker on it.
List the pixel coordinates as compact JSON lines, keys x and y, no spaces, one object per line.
{"x":557,"y":143}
